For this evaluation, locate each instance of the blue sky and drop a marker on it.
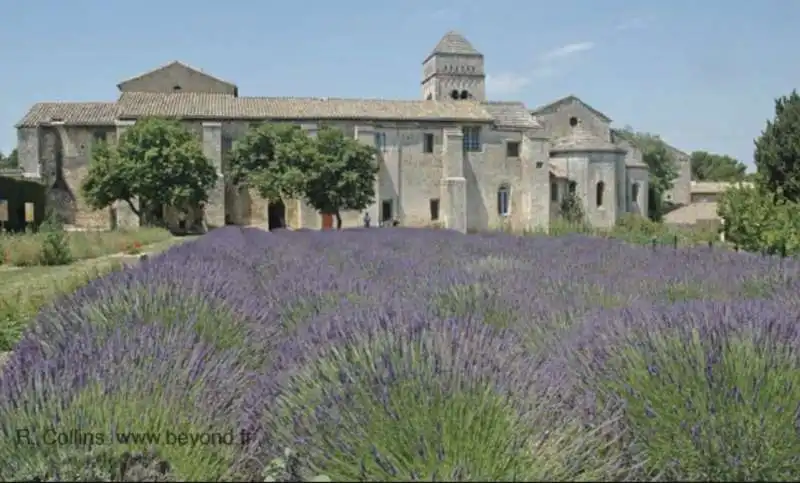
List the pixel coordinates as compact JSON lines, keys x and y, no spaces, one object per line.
{"x":703,"y":74}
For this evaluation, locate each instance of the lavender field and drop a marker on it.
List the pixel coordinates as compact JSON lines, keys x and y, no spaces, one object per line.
{"x":425,"y":355}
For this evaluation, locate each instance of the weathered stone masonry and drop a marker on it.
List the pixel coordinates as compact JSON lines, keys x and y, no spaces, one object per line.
{"x":454,"y":158}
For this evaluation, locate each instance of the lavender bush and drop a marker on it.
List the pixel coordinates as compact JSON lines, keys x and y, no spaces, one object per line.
{"x":708,"y":391}
{"x":393,"y":393}
{"x":65,"y":418}
{"x":417,"y":354}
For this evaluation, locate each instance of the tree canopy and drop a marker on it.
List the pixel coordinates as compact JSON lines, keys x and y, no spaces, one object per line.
{"x":662,"y":165}
{"x":342,"y":174}
{"x":716,"y":167}
{"x":157,"y":161}
{"x":10,"y":161}
{"x":271,"y":158}
{"x":777,"y":153}
{"x":331,"y":172}
{"x":764,"y":217}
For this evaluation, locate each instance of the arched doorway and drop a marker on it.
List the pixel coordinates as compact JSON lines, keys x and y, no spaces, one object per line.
{"x":276,"y":215}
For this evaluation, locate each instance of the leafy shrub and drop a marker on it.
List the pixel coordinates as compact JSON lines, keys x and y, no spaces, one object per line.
{"x":571,"y":209}
{"x":708,"y":391}
{"x":759,"y":221}
{"x":55,"y":249}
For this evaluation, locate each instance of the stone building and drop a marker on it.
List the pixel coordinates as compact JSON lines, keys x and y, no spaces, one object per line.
{"x":454,"y":157}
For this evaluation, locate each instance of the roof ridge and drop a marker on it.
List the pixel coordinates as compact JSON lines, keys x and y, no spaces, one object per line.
{"x":170,"y":64}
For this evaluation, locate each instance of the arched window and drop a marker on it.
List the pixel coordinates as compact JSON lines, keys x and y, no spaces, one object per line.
{"x":454,"y":94}
{"x":464,"y":95}
{"x":601,"y":188}
{"x":635,"y":192}
{"x":503,"y":200}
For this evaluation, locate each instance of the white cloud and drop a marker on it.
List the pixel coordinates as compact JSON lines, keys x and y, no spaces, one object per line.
{"x":506,"y":83}
{"x":568,"y":50}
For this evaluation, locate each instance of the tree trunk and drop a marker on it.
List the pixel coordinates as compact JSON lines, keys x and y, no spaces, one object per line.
{"x":133,"y":209}
{"x":338,"y":220}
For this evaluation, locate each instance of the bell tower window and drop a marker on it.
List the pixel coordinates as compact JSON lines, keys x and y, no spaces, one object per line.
{"x":454,"y":62}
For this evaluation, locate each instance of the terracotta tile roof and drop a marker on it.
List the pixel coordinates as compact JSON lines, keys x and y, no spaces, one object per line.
{"x":133,"y":105}
{"x":71,"y":113}
{"x":221,"y":106}
{"x":511,"y":115}
{"x":692,"y":213}
{"x":197,"y":105}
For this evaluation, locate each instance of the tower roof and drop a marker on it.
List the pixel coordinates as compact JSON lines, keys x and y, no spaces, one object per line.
{"x":454,"y":43}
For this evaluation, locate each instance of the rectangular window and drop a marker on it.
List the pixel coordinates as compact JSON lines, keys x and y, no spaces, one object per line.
{"x":434,"y":209}
{"x":472,"y":138}
{"x":553,"y":191}
{"x":512,"y":149}
{"x":380,"y":141}
{"x":502,"y":201}
{"x":427,"y":143}
{"x":99,"y":137}
{"x":386,"y":210}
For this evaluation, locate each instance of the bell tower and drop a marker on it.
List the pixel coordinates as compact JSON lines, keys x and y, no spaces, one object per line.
{"x":454,"y":70}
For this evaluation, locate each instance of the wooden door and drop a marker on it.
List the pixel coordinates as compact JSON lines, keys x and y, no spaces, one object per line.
{"x":327,"y":221}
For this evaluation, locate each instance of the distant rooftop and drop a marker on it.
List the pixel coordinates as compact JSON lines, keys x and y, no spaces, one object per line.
{"x":453,"y":43}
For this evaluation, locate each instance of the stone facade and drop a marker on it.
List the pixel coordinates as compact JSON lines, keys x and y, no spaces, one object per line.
{"x":454,"y":158}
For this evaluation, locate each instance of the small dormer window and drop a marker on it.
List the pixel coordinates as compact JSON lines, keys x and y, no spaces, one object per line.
{"x":176,"y":88}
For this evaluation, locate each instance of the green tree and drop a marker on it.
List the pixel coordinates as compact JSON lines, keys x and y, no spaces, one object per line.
{"x":272,"y":158}
{"x":331,"y":172}
{"x":342,"y":174}
{"x":157,"y":161}
{"x":11,"y":161}
{"x":716,"y":167}
{"x":777,"y":153}
{"x":757,"y":221}
{"x":662,"y":165}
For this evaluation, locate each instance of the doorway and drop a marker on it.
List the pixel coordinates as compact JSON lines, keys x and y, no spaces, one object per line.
{"x":276,"y":215}
{"x":327,"y":221}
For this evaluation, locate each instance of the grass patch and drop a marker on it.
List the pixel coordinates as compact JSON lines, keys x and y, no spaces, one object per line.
{"x":25,"y":249}
{"x":26,"y":290}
